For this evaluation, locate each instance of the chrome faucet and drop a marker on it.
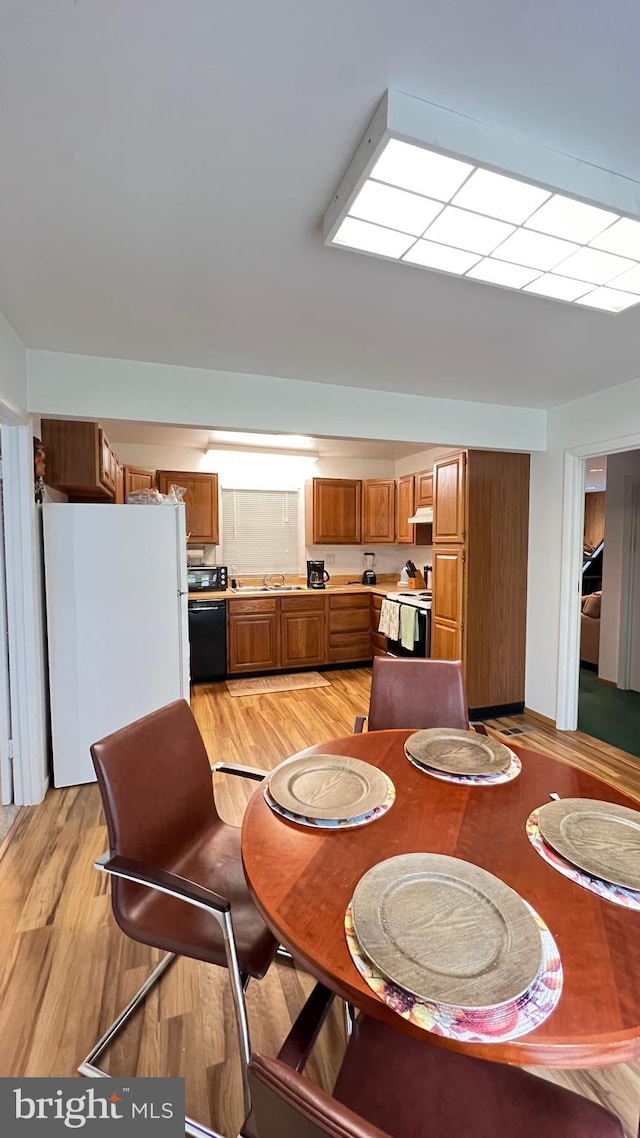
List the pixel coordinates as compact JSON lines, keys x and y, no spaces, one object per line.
{"x":268,"y":580}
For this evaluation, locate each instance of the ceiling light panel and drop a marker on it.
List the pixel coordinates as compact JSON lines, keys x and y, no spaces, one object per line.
{"x":394,"y":208}
{"x":442,"y":257}
{"x":575,"y":221}
{"x":372,"y":238}
{"x":465,"y":230}
{"x":423,"y":171}
{"x":495,"y":195}
{"x":571,"y":236}
{"x":502,"y":273}
{"x":592,"y":265}
{"x":622,"y":238}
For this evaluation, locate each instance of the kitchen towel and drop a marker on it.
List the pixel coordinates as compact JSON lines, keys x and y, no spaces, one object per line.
{"x":389,"y":623}
{"x":408,"y":626}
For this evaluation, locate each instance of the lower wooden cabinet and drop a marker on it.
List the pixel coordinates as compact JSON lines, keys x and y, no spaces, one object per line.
{"x":253,"y":640}
{"x":302,"y":631}
{"x":271,"y":633}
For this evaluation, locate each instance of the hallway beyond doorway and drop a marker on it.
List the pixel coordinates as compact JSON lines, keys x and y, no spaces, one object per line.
{"x":609,"y":713}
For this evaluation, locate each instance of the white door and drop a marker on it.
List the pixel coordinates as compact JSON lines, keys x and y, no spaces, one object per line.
{"x":6,"y":758}
{"x":116,"y":622}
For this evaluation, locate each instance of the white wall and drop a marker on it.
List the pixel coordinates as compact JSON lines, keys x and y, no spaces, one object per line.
{"x":93,"y":387}
{"x":619,"y":468}
{"x":13,"y":369}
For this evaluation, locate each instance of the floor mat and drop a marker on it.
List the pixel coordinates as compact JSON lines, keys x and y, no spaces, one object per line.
{"x":265,"y":685}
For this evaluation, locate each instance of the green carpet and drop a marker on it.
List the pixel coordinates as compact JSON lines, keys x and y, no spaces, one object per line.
{"x":609,"y":714}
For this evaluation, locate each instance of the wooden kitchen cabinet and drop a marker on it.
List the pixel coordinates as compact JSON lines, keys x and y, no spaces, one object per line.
{"x":136,"y":478}
{"x":253,"y":635}
{"x":378,"y":641}
{"x":405,"y":505}
{"x":333,"y":509}
{"x":80,"y":461}
{"x":447,"y":607}
{"x":302,"y":631}
{"x":119,"y":497}
{"x":424,"y":489}
{"x":378,"y":511}
{"x":481,"y":506}
{"x":449,"y":499}
{"x":349,"y":636}
{"x":201,"y":501}
{"x":594,"y":518}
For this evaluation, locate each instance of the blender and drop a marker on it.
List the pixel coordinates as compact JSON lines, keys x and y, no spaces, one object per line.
{"x":369,"y":577}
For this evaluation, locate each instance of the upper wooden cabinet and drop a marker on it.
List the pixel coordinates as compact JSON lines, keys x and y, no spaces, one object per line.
{"x":80,"y":461}
{"x":405,"y":505}
{"x":201,"y":500}
{"x":449,"y":499}
{"x":333,"y":511}
{"x":379,"y":511}
{"x":136,"y":478}
{"x":424,"y":489}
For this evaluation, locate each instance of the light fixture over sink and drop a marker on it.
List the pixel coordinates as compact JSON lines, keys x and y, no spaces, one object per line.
{"x":436,"y":189}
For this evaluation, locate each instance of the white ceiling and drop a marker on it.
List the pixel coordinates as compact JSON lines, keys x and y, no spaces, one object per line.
{"x":166,"y":165}
{"x":150,"y":434}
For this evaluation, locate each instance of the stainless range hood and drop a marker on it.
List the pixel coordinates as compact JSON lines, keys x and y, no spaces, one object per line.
{"x":423,"y":516}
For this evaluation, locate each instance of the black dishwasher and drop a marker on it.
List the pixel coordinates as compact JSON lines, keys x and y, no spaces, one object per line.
{"x":207,"y":640}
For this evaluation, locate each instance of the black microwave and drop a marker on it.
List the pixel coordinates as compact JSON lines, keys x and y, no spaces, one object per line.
{"x":201,"y":577}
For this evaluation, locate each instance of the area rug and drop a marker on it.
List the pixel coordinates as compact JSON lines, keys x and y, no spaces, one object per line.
{"x":266,"y":685}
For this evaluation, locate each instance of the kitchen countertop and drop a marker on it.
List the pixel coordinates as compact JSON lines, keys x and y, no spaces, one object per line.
{"x":381,"y":590}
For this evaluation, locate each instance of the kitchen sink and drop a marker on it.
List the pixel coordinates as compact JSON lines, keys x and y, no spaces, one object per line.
{"x":268,"y":589}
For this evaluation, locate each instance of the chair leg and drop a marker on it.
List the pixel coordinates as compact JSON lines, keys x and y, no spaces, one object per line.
{"x":284,"y":956}
{"x":239,"y":981}
{"x":88,"y":1066}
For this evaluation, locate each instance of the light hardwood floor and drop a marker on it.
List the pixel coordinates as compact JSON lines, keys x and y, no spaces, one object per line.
{"x":65,"y":968}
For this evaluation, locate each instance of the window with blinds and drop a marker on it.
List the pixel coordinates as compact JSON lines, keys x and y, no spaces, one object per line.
{"x":260,"y":531}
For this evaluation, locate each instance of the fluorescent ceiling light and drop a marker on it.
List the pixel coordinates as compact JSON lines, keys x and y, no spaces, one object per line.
{"x":575,"y":221}
{"x":423,"y":171}
{"x":429,"y":187}
{"x":609,"y":299}
{"x":560,"y":288}
{"x":442,"y":257}
{"x":535,"y":250}
{"x":498,"y":196}
{"x":396,"y":209}
{"x":592,"y":265}
{"x":256,"y":439}
{"x":622,"y":238}
{"x":372,"y":238}
{"x":502,"y":273}
{"x":465,"y":230}
{"x":628,"y":282}
{"x":596,"y":470}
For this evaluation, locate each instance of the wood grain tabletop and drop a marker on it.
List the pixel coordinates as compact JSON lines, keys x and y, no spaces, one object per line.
{"x":302,"y":880}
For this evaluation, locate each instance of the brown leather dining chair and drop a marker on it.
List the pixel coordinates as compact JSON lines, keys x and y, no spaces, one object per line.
{"x":177,"y":881}
{"x":415,"y":693}
{"x":392,"y":1085}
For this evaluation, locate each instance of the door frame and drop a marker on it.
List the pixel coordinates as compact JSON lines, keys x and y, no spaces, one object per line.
{"x":25,"y":612}
{"x":629,"y":601}
{"x":571,"y":576}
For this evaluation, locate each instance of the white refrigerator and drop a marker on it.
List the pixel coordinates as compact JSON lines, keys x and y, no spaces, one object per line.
{"x":117,"y":622}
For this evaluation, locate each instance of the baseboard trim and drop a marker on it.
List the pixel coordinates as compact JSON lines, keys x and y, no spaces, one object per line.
{"x":496,"y":711}
{"x":608,"y":683}
{"x":546,"y":719}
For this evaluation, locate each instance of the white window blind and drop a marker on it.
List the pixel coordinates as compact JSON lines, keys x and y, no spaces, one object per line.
{"x":260,"y":531}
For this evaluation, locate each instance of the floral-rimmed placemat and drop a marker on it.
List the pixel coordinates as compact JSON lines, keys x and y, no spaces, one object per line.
{"x":617,"y":894}
{"x":334,"y":824}
{"x":479,"y":1025}
{"x":512,"y":771}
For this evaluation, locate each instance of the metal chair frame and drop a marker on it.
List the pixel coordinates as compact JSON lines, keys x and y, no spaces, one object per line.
{"x":220,"y":909}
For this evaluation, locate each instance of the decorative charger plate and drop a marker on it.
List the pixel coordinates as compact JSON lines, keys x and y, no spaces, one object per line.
{"x":330,"y":787}
{"x":599,"y":837}
{"x":458,"y":752}
{"x":446,"y":930}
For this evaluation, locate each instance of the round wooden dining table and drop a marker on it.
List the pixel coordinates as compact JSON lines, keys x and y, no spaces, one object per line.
{"x":303,"y":878}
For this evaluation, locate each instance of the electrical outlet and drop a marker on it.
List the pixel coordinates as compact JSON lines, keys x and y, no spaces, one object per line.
{"x":330,"y":559}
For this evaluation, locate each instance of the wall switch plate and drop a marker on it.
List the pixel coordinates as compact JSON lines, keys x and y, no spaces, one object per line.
{"x":330,"y":559}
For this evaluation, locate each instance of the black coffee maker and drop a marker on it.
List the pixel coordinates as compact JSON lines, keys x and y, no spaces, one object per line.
{"x":316,"y":575}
